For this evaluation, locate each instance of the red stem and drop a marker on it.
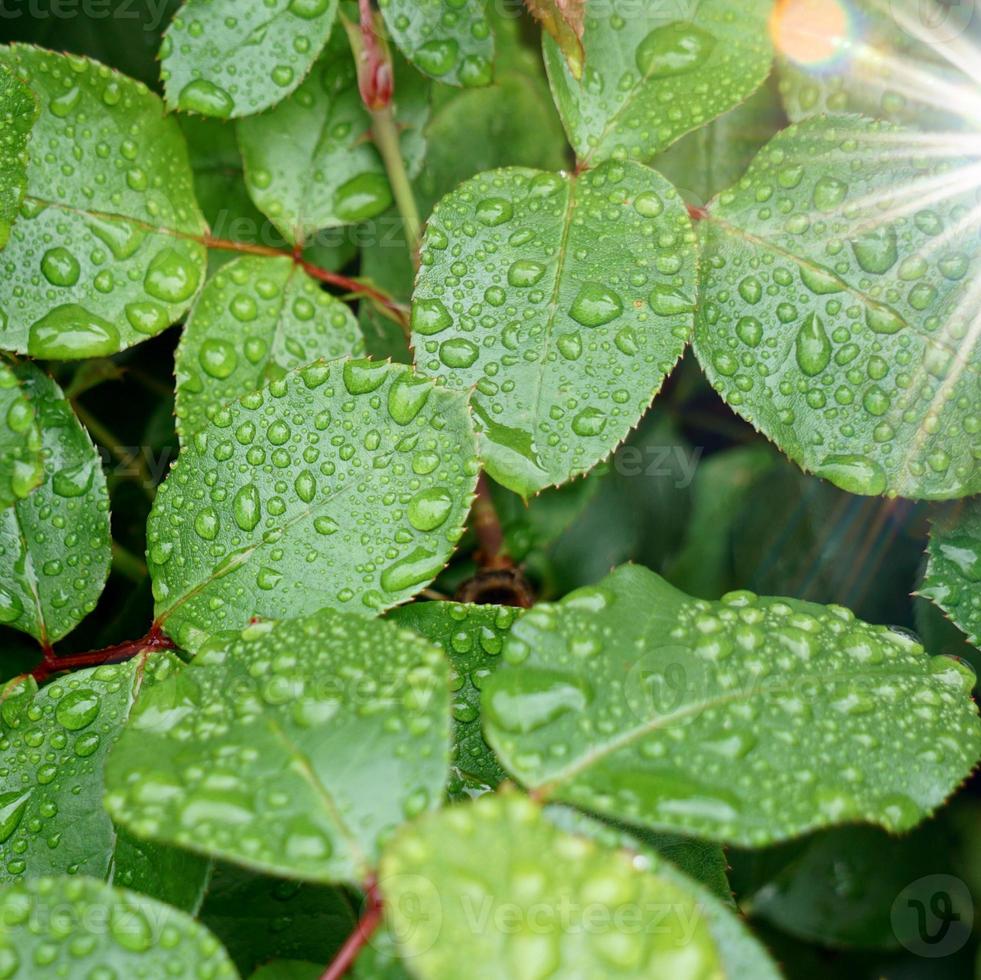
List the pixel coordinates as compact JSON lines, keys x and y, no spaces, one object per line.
{"x":51,"y":663}
{"x":363,"y":931}
{"x":696,"y":213}
{"x":375,"y":80}
{"x":487,"y":527}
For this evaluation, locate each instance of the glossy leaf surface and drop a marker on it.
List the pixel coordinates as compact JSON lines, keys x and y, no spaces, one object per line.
{"x":224,"y":58}
{"x":101,"y":256}
{"x":256,"y":319}
{"x":656,"y":71}
{"x":953,"y":575}
{"x":837,"y":306}
{"x":18,"y":112}
{"x":343,"y":484}
{"x":290,"y":747}
{"x":562,"y":302}
{"x":54,"y":543}
{"x":21,"y":466}
{"x":747,"y":720}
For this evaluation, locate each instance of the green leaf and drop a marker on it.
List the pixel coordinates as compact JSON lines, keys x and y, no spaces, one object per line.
{"x":18,"y":113}
{"x":75,"y":927}
{"x":227,"y":59}
{"x":21,"y":465}
{"x":902,"y":69}
{"x":835,"y":309}
{"x":703,"y":866}
{"x":290,"y":747}
{"x":102,"y":256}
{"x":562,"y":301}
{"x":343,"y":484}
{"x":839,"y":888}
{"x":652,"y":76}
{"x":288,"y":970}
{"x":255,"y":320}
{"x":450,"y":40}
{"x":472,"y":638}
{"x":53,"y":751}
{"x":248,"y":911}
{"x":953,"y":571}
{"x":748,"y":720}
{"x":564,"y":20}
{"x":712,"y":158}
{"x":54,"y":544}
{"x":310,"y":163}
{"x":456,"y":913}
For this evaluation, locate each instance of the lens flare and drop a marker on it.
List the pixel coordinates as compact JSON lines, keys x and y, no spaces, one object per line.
{"x":810,"y":32}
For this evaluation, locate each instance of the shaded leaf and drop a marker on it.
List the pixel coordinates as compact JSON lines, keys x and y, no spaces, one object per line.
{"x":311,"y":164}
{"x":748,"y":720}
{"x":227,"y":59}
{"x":290,"y":747}
{"x":953,"y":574}
{"x":652,"y":76}
{"x":102,"y":256}
{"x":449,"y":40}
{"x":836,"y":316}
{"x":455,"y":913}
{"x":564,"y":20}
{"x":53,"y":750}
{"x":74,"y":926}
{"x":54,"y":544}
{"x":18,"y":112}
{"x":343,"y":484}
{"x":21,"y":464}
{"x":248,"y":912}
{"x":581,"y":288}
{"x":256,"y":319}
{"x":472,"y":638}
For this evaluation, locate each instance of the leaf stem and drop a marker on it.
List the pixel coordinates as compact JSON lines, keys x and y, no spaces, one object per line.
{"x":385,"y":132}
{"x":51,"y":663}
{"x":363,"y":931}
{"x":487,"y":527}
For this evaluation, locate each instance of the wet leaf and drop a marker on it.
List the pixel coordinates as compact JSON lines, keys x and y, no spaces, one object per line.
{"x":344,"y":484}
{"x":455,"y":913}
{"x":653,"y":74}
{"x":836,"y":308}
{"x":449,"y":40}
{"x":18,"y":113}
{"x":100,"y":257}
{"x":311,"y":164}
{"x":703,"y":876}
{"x":634,"y":700}
{"x":953,"y":575}
{"x":256,"y":319}
{"x":472,"y":638}
{"x":228,"y":59}
{"x":290,"y":747}
{"x":564,"y":20}
{"x":21,"y":465}
{"x":53,"y":751}
{"x":70,"y":926}
{"x":54,"y":543}
{"x":561,"y":302}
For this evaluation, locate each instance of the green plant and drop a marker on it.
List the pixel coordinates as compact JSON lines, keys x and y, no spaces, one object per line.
{"x":385,"y":662}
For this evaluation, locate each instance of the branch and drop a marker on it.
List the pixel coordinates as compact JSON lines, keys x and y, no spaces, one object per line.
{"x":363,"y":931}
{"x":487,"y":527}
{"x":51,"y":663}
